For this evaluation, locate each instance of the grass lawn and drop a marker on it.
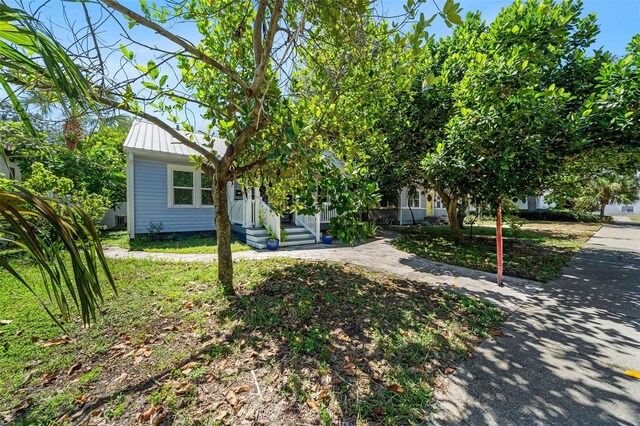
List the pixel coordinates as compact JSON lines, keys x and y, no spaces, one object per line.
{"x":303,"y":343}
{"x":537,"y":251}
{"x":193,"y":244}
{"x":634,"y":218}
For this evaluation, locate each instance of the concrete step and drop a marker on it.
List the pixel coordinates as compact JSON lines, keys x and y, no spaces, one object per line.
{"x":263,"y":245}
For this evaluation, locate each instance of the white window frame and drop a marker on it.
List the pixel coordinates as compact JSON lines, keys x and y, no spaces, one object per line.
{"x":437,"y":201}
{"x":199,"y":197}
{"x":197,"y":188}
{"x":410,"y":200}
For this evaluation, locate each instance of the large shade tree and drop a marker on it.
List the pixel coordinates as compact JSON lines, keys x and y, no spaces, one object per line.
{"x":511,"y":131}
{"x":234,"y":71}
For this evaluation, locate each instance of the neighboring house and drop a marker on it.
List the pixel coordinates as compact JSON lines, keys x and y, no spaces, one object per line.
{"x":617,"y":209}
{"x":535,"y":202}
{"x":614,"y":209}
{"x":409,"y":207}
{"x":10,"y":170}
{"x":116,"y":218}
{"x":166,"y":194}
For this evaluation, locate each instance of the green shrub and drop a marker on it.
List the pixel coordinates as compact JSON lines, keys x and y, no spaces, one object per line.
{"x":562,"y":215}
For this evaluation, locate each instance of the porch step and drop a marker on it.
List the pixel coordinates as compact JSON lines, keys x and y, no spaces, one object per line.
{"x":296,"y":235}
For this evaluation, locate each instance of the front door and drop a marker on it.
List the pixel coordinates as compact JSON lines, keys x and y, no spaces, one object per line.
{"x":287,"y":215}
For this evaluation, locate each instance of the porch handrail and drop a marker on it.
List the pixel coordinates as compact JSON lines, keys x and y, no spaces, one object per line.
{"x":236,"y":213}
{"x":308,"y":222}
{"x":263,"y":212}
{"x":327,"y":213}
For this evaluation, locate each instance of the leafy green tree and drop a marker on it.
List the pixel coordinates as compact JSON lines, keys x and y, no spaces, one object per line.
{"x":510,"y":130}
{"x":611,"y":115}
{"x":236,"y":78}
{"x":96,"y":166}
{"x":415,"y":119}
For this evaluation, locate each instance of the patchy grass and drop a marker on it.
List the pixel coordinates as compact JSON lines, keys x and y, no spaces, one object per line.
{"x":176,"y":244}
{"x":634,"y":218}
{"x":537,"y":251}
{"x":323,"y":343}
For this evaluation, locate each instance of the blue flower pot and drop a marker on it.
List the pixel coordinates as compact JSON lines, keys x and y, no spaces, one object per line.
{"x":327,"y":239}
{"x":273,"y":244}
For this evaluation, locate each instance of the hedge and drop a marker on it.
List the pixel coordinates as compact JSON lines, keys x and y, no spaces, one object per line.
{"x":561,"y":215}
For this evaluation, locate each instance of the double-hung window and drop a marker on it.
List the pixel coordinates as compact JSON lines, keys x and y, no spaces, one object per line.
{"x":415,"y":200}
{"x":206,"y":193}
{"x":188,"y":187}
{"x":438,"y":202}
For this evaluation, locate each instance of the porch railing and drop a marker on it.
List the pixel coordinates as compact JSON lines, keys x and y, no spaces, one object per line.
{"x":266,"y":217}
{"x":327,"y":213}
{"x":253,"y":213}
{"x":236,"y":212}
{"x":311,"y":223}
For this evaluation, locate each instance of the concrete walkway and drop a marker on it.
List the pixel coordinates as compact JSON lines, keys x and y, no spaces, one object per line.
{"x":565,"y":350}
{"x":378,"y":254}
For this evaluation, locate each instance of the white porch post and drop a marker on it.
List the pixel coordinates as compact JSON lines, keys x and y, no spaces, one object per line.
{"x":248,"y":207}
{"x":318,"y":216}
{"x":276,"y":231}
{"x":318,"y":219}
{"x":400,"y":207}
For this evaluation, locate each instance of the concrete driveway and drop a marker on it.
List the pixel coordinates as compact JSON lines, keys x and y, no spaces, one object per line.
{"x":566,"y":349}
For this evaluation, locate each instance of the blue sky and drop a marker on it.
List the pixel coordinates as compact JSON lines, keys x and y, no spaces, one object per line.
{"x":619,"y":20}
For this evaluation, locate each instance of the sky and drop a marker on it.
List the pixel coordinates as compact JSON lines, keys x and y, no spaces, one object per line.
{"x":619,"y":21}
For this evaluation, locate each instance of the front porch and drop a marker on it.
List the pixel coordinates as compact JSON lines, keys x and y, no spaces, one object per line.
{"x":254,"y":221}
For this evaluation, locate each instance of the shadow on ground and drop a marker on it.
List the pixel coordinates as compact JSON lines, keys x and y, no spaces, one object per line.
{"x":565,"y":352}
{"x":324,"y":343}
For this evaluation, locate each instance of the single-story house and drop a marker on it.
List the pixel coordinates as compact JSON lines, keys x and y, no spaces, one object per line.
{"x":409,"y":207}
{"x":166,"y":194}
{"x":534,"y":202}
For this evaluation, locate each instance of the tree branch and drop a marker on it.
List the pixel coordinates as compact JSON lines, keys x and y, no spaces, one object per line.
{"x":208,"y":155}
{"x":261,"y":68}
{"x":186,"y":45}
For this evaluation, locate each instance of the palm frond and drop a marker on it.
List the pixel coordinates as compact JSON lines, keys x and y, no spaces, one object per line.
{"x":70,"y":263}
{"x":31,"y":58}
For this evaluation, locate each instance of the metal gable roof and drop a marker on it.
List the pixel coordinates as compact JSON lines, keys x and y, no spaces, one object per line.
{"x":146,"y":136}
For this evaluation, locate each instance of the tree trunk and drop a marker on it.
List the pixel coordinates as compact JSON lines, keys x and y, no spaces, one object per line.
{"x":499,"y":241}
{"x":452,"y":212}
{"x":223,"y":233}
{"x":413,"y":219}
{"x":461,"y":214}
{"x":603,"y":205}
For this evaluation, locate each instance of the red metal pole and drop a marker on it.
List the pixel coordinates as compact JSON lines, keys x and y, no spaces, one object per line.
{"x":499,"y":241}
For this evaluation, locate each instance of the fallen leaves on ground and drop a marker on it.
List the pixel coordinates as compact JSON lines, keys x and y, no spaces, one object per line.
{"x":495,"y":332}
{"x":154,"y":414}
{"x":75,"y":367}
{"x":181,"y":387}
{"x":58,"y":341}
{"x":188,"y":368}
{"x":395,"y":388}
